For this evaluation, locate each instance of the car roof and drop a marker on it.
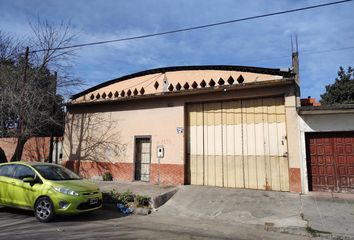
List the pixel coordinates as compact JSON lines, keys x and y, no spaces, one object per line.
{"x":29,"y":163}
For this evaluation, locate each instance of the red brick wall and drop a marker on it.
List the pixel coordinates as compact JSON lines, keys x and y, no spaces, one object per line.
{"x":36,"y":148}
{"x":295,"y":180}
{"x":170,"y":174}
{"x":119,"y":171}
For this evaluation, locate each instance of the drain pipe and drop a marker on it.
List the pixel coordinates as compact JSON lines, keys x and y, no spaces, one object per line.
{"x":158,"y":171}
{"x":160,"y":152}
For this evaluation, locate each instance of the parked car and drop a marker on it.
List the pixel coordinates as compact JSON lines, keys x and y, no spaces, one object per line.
{"x":47,"y":189}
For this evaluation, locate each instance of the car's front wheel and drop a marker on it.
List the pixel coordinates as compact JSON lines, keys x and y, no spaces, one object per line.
{"x":44,"y":209}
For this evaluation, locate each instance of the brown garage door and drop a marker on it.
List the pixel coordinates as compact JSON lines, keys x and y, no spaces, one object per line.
{"x":330,"y":161}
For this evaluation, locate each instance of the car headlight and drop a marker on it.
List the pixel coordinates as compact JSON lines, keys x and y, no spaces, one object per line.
{"x":66,"y":191}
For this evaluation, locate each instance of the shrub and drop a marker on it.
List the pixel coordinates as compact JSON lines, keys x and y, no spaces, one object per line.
{"x":142,"y":201}
{"x":107,"y":176}
{"x":113,"y":195}
{"x":127,"y":198}
{"x":124,"y":197}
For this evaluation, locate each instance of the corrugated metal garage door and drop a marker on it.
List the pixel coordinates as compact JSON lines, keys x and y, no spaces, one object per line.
{"x":239,"y":144}
{"x":330,"y":161}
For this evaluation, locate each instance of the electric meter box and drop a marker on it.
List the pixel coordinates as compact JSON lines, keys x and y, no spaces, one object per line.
{"x":160,"y":151}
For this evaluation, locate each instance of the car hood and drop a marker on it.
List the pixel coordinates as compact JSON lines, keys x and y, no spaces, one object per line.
{"x":77,"y":185}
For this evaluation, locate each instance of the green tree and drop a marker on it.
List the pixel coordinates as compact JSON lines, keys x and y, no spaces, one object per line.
{"x":342,"y":90}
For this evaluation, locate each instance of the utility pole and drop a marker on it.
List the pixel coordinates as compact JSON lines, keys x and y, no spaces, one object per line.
{"x":2,"y":116}
{"x":56,"y":149}
{"x":51,"y":146}
{"x":20,"y":138}
{"x":296,"y":69}
{"x":20,"y":123}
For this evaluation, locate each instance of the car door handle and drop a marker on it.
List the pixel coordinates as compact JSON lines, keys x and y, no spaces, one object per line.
{"x":13,"y":183}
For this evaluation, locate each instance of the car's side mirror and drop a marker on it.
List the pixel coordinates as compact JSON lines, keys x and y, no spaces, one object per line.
{"x":29,"y":180}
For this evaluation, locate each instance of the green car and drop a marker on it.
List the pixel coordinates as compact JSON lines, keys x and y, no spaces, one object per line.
{"x":46,"y":188}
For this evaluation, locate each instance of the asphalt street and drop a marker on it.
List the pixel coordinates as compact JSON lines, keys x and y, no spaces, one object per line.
{"x":109,"y":224}
{"x":197,"y":212}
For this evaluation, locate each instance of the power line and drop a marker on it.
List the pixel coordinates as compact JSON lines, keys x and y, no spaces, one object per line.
{"x":304,"y":52}
{"x":153,"y":78}
{"x":194,"y":28}
{"x":309,"y":52}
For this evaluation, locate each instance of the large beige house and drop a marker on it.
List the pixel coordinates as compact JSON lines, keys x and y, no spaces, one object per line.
{"x":227,"y":126}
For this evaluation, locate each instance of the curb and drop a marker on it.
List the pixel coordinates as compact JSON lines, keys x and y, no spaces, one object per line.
{"x":292,"y":230}
{"x":156,"y":202}
{"x":160,"y":200}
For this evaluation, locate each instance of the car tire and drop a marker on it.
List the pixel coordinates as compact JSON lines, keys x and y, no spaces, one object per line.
{"x":44,"y":210}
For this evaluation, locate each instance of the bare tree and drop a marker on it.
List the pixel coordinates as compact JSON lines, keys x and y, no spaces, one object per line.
{"x":49,"y":39}
{"x":28,"y":89}
{"x":9,"y":76}
{"x":9,"y":47}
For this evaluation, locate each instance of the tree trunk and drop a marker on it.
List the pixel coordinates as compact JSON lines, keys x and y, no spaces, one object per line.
{"x":3,"y":158}
{"x":78,"y":150}
{"x":21,"y":141}
{"x":51,"y":147}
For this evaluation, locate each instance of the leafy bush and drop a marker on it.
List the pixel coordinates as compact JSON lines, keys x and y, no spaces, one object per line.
{"x":107,"y":176}
{"x":142,"y":201}
{"x":124,"y":197}
{"x":113,"y":195}
{"x":130,"y":199}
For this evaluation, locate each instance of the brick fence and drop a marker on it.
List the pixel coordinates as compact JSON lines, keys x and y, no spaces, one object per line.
{"x":170,"y":174}
{"x":35,"y":149}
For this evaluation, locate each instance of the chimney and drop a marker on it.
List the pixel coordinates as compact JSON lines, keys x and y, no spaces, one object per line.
{"x":309,"y":101}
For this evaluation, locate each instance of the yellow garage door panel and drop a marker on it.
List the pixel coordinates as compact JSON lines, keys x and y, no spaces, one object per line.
{"x":196,"y":147}
{"x":239,"y":144}
{"x":233,"y":174}
{"x":213,"y":158}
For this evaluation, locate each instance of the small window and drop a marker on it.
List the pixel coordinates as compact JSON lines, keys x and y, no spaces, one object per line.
{"x":7,"y":170}
{"x":22,"y":172}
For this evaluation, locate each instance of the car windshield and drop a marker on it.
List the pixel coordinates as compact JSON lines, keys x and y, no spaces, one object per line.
{"x":56,"y":173}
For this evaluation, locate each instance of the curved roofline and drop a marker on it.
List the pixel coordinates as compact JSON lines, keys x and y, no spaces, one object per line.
{"x":270,"y":71}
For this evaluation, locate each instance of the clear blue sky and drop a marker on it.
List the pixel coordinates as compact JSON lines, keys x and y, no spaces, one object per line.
{"x":262,"y":42}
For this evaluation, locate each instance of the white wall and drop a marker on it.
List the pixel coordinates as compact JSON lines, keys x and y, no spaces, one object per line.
{"x":321,"y":123}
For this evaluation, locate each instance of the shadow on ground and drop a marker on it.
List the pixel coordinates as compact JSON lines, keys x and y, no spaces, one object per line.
{"x":15,"y":211}
{"x":99,"y":215}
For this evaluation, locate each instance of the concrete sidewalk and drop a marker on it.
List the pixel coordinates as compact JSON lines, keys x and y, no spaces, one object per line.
{"x":324,"y":215}
{"x":313,"y":215}
{"x":329,"y":212}
{"x":274,"y":211}
{"x":159,"y":194}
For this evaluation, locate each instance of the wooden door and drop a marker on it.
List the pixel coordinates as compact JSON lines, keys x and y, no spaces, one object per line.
{"x":330,"y":161}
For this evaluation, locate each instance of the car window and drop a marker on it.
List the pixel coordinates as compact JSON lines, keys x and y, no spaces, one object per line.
{"x":22,"y":172}
{"x":56,"y":173}
{"x":7,"y":170}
